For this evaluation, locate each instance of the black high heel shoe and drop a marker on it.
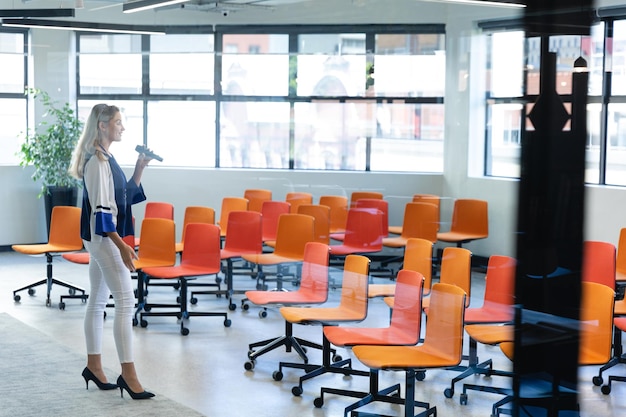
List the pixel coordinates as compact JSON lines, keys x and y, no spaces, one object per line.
{"x":134,"y":395}
{"x":89,"y":376}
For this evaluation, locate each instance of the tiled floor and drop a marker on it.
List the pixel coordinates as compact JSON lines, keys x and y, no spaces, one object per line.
{"x":205,"y":370}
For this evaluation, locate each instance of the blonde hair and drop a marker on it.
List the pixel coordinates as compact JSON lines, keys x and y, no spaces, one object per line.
{"x":91,"y":138}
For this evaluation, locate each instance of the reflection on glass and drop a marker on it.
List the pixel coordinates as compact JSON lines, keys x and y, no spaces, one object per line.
{"x":254,"y":135}
{"x":503,"y":140}
{"x":506,"y":64}
{"x":331,"y":76}
{"x":13,"y":122}
{"x":616,"y":145}
{"x":132,"y":118}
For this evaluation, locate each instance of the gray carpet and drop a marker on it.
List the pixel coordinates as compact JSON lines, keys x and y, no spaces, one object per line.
{"x":40,"y":377}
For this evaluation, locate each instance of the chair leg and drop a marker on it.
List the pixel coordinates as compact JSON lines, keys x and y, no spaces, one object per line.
{"x":618,"y":357}
{"x":472,"y":368}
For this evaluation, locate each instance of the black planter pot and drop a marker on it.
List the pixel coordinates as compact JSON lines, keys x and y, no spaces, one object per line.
{"x":59,"y":196}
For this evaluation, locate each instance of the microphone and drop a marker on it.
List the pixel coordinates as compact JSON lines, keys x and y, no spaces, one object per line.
{"x":142,"y":149}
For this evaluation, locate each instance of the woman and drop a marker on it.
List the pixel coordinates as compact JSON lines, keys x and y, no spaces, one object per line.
{"x":106,"y":219}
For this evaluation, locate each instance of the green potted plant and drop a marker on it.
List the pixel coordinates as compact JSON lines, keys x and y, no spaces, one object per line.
{"x":49,"y":149}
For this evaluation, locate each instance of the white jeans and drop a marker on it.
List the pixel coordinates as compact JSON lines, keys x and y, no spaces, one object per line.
{"x":109,"y":275}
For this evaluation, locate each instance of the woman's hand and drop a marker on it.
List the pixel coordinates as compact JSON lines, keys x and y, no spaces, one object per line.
{"x":128,"y":255}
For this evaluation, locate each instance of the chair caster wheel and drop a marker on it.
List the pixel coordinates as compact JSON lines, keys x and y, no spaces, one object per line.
{"x":262,"y":314}
{"x":597,"y":381}
{"x":232,"y":306}
{"x":297,"y":391}
{"x":277,"y":376}
{"x":31,"y":291}
{"x":148,"y":308}
{"x":606,"y":389}
{"x":337,"y":358}
{"x":227,"y":323}
{"x":420,"y":375}
{"x":248,"y":366}
{"x":71,"y":291}
{"x":463,"y":399}
{"x":184,"y":331}
{"x":105,"y":315}
{"x":448,"y":392}
{"x":143,"y":323}
{"x":245,"y":307}
{"x":61,"y":305}
{"x":17,"y":298}
{"x":193,"y":300}
{"x":135,"y":322}
{"x":318,"y":402}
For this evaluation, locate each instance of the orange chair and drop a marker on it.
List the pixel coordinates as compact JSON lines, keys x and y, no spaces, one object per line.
{"x":432,"y":199}
{"x":195,"y":214}
{"x":297,"y":198}
{"x":313,"y":290}
{"x":358,"y":195}
{"x":598,"y":263}
{"x":243,"y":238}
{"x":456,"y":269}
{"x":470,"y":221}
{"x":498,"y":307}
{"x":256,"y":197}
{"x":157,"y":248}
{"x":418,"y":256}
{"x":230,"y":204}
{"x":352,"y":308}
{"x":442,"y":348}
{"x":620,"y":261}
{"x":157,"y":210}
{"x":322,"y":220}
{"x":200,"y":257}
{"x":364,"y":233}
{"x":294,"y":231}
{"x":64,"y":237}
{"x":420,"y":220}
{"x":338,"y":211}
{"x":371,"y":203}
{"x":404,"y":328}
{"x":270,"y":212}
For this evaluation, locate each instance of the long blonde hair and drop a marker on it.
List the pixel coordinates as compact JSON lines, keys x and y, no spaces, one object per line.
{"x":91,"y":138}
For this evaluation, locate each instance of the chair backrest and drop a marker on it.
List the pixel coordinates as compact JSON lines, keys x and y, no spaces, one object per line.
{"x":456,"y":269}
{"x":202,"y":246}
{"x":65,"y":227}
{"x":380,"y":204}
{"x":364,"y":230}
{"x":357,"y":195}
{"x":338,"y":211}
{"x":418,"y":256}
{"x":230,"y":204}
{"x":470,"y":216}
{"x":433,"y":199}
{"x":420,"y":220}
{"x":294,"y":232}
{"x":354,"y":285}
{"x":157,"y":241}
{"x":598,"y":263}
{"x":297,"y":198}
{"x":314,"y":275}
{"x":322,"y":220}
{"x":406,"y":316}
{"x":244,"y":232}
{"x":270,"y":212}
{"x":500,"y":280}
{"x":444,"y":327}
{"x":197,"y":214}
{"x":256,"y":197}
{"x":620,"y":260}
{"x":596,"y":317}
{"x":160,"y":210}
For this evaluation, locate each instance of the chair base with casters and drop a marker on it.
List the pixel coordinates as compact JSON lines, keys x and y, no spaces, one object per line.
{"x":49,"y":281}
{"x":618,"y":358}
{"x":183,"y":312}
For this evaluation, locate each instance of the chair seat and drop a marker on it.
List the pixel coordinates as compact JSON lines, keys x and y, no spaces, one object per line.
{"x":381,"y":290}
{"x":148,"y":263}
{"x":620,"y":307}
{"x":458,"y":237}
{"x":321,"y":315}
{"x":347,"y":249}
{"x":402,"y":357}
{"x":269,"y":259}
{"x":178,"y":271}
{"x":396,"y":230}
{"x":370,"y":336}
{"x":179,"y":247}
{"x":490,"y":313}
{"x":489,"y":334}
{"x":77,"y":257}
{"x":395,"y":242}
{"x":285,"y":297}
{"x":44,"y":248}
{"x":620,"y":276}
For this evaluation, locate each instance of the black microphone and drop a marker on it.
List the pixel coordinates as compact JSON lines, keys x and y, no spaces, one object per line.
{"x":142,"y":149}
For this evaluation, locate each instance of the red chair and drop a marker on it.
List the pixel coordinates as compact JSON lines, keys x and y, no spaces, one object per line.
{"x":364,"y":233}
{"x":200,"y":257}
{"x":297,"y":198}
{"x":157,"y":210}
{"x":256,"y":197}
{"x":270,"y":212}
{"x":371,"y":203}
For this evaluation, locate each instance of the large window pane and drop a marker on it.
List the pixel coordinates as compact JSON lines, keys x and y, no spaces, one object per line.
{"x":505,"y":66}
{"x":182,"y":132}
{"x":503,"y":139}
{"x":110,"y":64}
{"x":181,"y":64}
{"x":132,"y":119}
{"x":616,"y":145}
{"x":255,"y":65}
{"x":12,"y":62}
{"x":13,"y":122}
{"x":254,"y":135}
{"x":409,"y":65}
